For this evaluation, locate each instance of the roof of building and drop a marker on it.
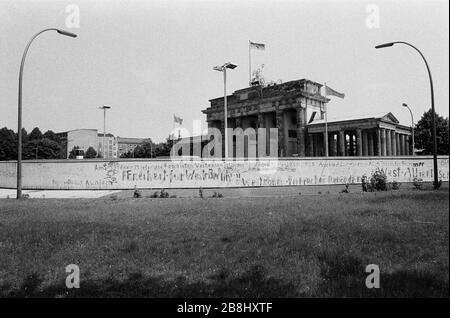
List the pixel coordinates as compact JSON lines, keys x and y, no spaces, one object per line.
{"x":278,"y":86}
{"x":106,"y":135}
{"x":271,"y":89}
{"x":126,"y":140}
{"x":67,"y":131}
{"x":382,"y":116}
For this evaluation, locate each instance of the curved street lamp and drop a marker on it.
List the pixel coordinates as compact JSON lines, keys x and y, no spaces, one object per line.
{"x":19,"y":126}
{"x":412,"y":127}
{"x":104,"y":107}
{"x":223,"y":69}
{"x":433,"y":124}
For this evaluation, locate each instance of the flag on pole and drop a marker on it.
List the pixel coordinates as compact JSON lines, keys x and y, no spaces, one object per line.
{"x":177,"y":120}
{"x":258,"y":46}
{"x":330,"y":91}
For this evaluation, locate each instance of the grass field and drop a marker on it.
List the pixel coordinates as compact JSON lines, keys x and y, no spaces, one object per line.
{"x":296,"y":246}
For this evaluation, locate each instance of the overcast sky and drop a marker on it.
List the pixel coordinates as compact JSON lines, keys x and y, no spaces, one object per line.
{"x":152,"y":59}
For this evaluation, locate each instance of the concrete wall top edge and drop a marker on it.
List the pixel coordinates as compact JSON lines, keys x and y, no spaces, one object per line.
{"x":221,"y":159}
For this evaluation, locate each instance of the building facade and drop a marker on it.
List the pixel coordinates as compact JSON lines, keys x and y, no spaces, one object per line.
{"x":115,"y":147}
{"x":111,"y":146}
{"x":296,"y":109}
{"x":126,"y":145}
{"x":81,"y":138}
{"x":376,"y":135}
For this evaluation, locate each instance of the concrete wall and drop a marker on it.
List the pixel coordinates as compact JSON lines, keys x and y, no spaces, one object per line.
{"x":126,"y":174}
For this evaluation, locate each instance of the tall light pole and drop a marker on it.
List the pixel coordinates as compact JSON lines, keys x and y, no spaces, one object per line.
{"x":19,"y":125}
{"x":223,"y":69}
{"x":412,"y":127}
{"x":104,"y":107}
{"x":433,"y":123}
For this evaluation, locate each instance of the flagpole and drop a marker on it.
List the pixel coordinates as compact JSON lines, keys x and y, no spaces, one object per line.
{"x":249,"y":64}
{"x":173,"y":128}
{"x":326,"y":122}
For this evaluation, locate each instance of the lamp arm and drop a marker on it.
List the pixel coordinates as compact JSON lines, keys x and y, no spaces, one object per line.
{"x":19,"y":115}
{"x":426,"y":64}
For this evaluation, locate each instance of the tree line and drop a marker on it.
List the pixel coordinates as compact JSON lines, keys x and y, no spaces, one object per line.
{"x":149,"y":149}
{"x":38,"y":145}
{"x":422,"y":134}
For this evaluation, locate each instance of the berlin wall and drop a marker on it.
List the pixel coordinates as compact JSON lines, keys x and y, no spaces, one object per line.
{"x":131,"y":173}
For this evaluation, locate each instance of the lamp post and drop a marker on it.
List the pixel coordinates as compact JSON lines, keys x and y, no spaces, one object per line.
{"x":19,"y":125}
{"x":223,"y":69}
{"x":433,"y":123}
{"x":412,"y":127}
{"x":104,"y":107}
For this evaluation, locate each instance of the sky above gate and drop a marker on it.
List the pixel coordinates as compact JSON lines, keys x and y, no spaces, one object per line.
{"x":150,"y":60}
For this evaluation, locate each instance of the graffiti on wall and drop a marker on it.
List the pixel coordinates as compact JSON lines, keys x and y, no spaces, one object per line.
{"x":215,"y":173}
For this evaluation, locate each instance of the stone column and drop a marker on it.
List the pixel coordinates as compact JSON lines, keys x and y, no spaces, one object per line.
{"x":393,"y":143}
{"x":260,"y":121}
{"x":388,"y":142}
{"x":259,"y":124}
{"x":317,"y":145}
{"x":405,"y":148}
{"x":383,"y":141}
{"x":324,"y":135}
{"x":341,"y":143}
{"x":407,"y":145}
{"x":311,"y":145}
{"x":397,"y":143}
{"x":358,"y":142}
{"x":351,"y":145}
{"x":378,"y":142}
{"x":370,"y":142}
{"x":301,"y":134}
{"x":280,"y":126}
{"x":238,"y":122}
{"x":402,"y":145}
{"x":332,"y":143}
{"x":365,"y":143}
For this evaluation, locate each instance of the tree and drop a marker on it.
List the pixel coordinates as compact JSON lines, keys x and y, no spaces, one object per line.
{"x":128,"y":154}
{"x":145,"y":150}
{"x":50,"y":149}
{"x":73,"y":153}
{"x":90,"y":153}
{"x":51,"y":135}
{"x":35,"y":134}
{"x":163,"y":148}
{"x":8,"y":144}
{"x":42,"y":149}
{"x":30,"y":149}
{"x":423,"y":137}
